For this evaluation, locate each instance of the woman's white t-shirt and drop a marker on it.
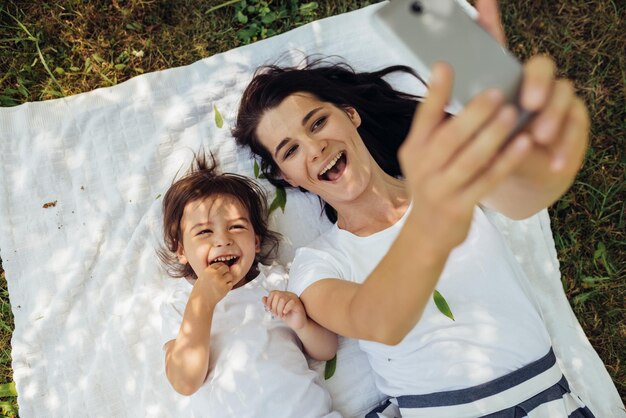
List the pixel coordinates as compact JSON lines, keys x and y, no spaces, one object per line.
{"x":496,"y":328}
{"x":257,"y":367}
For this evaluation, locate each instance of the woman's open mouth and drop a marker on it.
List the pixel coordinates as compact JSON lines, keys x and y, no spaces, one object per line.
{"x":334,"y":169}
{"x":229,"y":260}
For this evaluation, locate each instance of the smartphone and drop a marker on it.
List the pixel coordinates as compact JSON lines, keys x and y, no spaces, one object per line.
{"x":427,"y":31}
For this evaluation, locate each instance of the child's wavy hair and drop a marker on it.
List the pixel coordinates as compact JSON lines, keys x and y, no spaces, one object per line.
{"x":202,"y":181}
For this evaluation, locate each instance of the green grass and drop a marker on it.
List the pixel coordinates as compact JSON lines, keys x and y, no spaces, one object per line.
{"x":50,"y":49}
{"x":587,"y":40}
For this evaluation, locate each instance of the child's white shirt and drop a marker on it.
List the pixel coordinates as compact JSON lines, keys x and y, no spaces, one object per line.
{"x":257,"y":367}
{"x":496,"y":328}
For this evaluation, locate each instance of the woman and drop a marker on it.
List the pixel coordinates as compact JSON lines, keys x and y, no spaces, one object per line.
{"x":335,"y":133}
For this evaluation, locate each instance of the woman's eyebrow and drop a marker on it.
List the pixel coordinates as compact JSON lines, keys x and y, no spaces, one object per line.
{"x":305,"y":119}
{"x":279,"y":146}
{"x":308,"y":116}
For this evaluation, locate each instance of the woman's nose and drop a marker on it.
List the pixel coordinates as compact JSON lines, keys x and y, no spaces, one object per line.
{"x":315,"y":148}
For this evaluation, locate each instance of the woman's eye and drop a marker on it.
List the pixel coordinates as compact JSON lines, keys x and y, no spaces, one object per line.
{"x":290,"y":151}
{"x":318,"y":123}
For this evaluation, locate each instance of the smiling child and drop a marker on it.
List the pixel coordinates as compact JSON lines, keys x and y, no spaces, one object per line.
{"x":232,"y":334}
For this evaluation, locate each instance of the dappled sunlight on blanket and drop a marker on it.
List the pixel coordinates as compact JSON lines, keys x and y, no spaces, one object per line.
{"x":82,"y":272}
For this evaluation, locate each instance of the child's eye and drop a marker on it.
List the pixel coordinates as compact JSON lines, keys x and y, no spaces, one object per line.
{"x":319,"y":123}
{"x":238,"y":227}
{"x":204,"y":232}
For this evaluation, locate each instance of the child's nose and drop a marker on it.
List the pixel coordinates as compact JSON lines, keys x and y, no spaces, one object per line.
{"x":221,"y":240}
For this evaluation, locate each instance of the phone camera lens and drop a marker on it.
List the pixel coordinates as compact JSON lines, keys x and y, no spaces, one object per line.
{"x":416,"y":7}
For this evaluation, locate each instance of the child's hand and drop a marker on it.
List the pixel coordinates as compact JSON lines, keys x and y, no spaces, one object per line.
{"x":288,"y":307}
{"x":215,"y":282}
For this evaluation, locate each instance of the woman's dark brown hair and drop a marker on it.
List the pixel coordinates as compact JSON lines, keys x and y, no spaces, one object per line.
{"x":202,"y":181}
{"x":386,"y":113}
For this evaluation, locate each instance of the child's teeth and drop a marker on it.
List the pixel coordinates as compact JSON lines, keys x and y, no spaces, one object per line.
{"x":232,"y":257}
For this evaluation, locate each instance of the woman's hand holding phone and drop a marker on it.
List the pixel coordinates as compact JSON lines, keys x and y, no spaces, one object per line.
{"x":559,"y":131}
{"x":452,"y":164}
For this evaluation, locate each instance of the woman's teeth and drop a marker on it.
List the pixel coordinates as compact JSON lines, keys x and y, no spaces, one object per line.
{"x":331,"y":164}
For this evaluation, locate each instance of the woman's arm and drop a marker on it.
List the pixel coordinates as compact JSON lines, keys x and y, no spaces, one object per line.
{"x":187,"y":357}
{"x":450,"y":165}
{"x":317,"y":341}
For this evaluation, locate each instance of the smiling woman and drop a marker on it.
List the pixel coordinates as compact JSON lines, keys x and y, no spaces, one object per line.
{"x":361,"y":105}
{"x":310,"y":162}
{"x":397,"y":235}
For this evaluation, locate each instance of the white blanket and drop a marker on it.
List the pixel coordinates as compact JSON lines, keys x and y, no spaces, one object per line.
{"x":83,"y":278}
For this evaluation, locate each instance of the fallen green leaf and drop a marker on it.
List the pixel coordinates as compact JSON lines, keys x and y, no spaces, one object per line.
{"x":331,"y":366}
{"x":280,"y":200}
{"x":219,"y":121}
{"x":442,"y":305}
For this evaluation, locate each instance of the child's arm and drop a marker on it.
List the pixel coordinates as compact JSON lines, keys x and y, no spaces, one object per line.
{"x":317,"y":341}
{"x":187,"y":357}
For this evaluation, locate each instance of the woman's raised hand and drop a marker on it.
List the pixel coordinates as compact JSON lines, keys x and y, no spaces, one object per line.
{"x":559,"y":132}
{"x":451,"y":164}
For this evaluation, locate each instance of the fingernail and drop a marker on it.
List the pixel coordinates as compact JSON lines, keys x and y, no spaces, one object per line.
{"x":533,"y":99}
{"x":522,"y":142}
{"x":508,"y":114}
{"x":544,"y":131}
{"x":494,"y":95}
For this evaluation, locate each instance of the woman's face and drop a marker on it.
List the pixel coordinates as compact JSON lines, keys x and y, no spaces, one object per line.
{"x":316,"y":146}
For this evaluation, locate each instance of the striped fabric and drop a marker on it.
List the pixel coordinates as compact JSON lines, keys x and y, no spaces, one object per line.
{"x":538,"y":390}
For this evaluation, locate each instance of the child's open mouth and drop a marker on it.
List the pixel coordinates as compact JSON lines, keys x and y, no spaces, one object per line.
{"x":229,"y":260}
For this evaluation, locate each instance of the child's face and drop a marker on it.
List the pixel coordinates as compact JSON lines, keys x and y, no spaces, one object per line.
{"x":218,"y":229}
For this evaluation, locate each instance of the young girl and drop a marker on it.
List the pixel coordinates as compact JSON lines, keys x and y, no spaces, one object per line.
{"x":232,"y":333}
{"x":406,"y":188}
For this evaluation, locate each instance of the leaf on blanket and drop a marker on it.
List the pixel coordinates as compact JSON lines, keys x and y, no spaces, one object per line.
{"x":219,"y":121}
{"x":442,"y":305}
{"x":257,"y":171}
{"x":331,"y":366}
{"x":280,"y":200}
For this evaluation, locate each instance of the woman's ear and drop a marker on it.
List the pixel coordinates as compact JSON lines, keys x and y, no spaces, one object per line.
{"x":353,"y":115}
{"x":180,"y":253}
